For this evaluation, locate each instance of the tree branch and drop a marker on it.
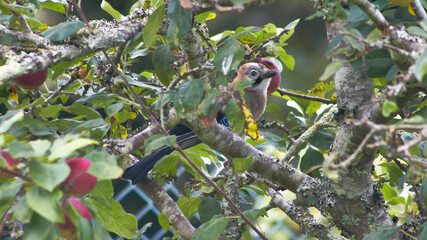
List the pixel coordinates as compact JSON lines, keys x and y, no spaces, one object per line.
{"x":302,"y":96}
{"x":110,"y":34}
{"x":303,"y":217}
{"x":168,"y":207}
{"x":325,"y":121}
{"x":374,"y":14}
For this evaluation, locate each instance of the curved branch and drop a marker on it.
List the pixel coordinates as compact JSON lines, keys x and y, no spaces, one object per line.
{"x":374,"y":14}
{"x":168,"y":207}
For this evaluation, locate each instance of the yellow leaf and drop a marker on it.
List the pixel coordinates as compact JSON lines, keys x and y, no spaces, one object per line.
{"x":13,"y":95}
{"x":411,"y":11}
{"x":123,"y":131}
{"x":44,"y":27}
{"x":251,"y":126}
{"x":211,"y":16}
{"x":132,"y":115}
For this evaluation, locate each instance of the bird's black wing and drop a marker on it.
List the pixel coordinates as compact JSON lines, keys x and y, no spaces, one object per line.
{"x":185,"y":138}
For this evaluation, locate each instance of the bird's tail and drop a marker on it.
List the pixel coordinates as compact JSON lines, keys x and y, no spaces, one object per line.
{"x":139,"y":170}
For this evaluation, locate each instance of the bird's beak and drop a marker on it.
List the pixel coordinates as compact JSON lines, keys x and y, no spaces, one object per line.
{"x":269,"y":74}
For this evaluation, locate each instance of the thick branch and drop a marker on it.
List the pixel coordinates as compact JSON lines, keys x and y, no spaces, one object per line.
{"x":168,"y":207}
{"x":302,"y":217}
{"x":110,"y":34}
{"x":372,"y":11}
{"x":230,"y":144}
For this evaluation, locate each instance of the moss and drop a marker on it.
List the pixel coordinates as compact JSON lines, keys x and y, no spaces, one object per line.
{"x":318,"y":194}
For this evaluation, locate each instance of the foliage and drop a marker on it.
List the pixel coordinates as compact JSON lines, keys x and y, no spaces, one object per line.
{"x":86,"y":104}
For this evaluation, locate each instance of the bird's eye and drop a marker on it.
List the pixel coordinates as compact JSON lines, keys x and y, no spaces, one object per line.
{"x":253,"y":73}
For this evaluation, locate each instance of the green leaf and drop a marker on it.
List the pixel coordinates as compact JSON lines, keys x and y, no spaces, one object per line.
{"x":240,"y":165}
{"x":423,"y":191}
{"x":235,"y":117}
{"x":323,"y":139}
{"x":276,"y":141}
{"x":157,"y":141}
{"x":180,"y":16}
{"x":378,"y":62}
{"x":254,"y":214}
{"x":16,"y":8}
{"x":106,"y":98}
{"x":389,"y":107}
{"x":312,"y":158}
{"x":84,"y":228}
{"x":99,"y":232}
{"x":22,"y":212}
{"x":188,"y":205}
{"x":110,"y":10}
{"x":153,"y":24}
{"x":334,"y":43}
{"x":273,"y":108}
{"x":57,"y":6}
{"x":45,"y":203}
{"x":40,"y":228}
{"x":51,"y":111}
{"x":63,"y":66}
{"x":63,"y":30}
{"x":212,"y":229}
{"x":421,"y":69}
{"x":101,"y":157}
{"x":331,"y":69}
{"x":103,"y":170}
{"x":229,"y":56}
{"x":48,"y":176}
{"x":93,"y":123}
{"x":103,"y":191}
{"x":63,"y":147}
{"x":356,"y":44}
{"x":189,"y":95}
{"x":161,"y":58}
{"x":208,"y":208}
{"x":164,"y":222}
{"x":9,"y":191}
{"x":240,"y":85}
{"x":286,"y":58}
{"x":40,"y":147}
{"x":82,"y":111}
{"x":383,"y":233}
{"x":113,"y":108}
{"x":114,"y":218}
{"x":291,"y":29}
{"x":20,"y":150}
{"x":11,"y":117}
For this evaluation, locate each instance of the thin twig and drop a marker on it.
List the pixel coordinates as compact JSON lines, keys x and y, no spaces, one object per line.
{"x":188,"y":73}
{"x":25,"y":27}
{"x":206,"y":39}
{"x":302,"y":96}
{"x":62,"y":87}
{"x":271,"y":39}
{"x":8,"y":214}
{"x":15,"y":174}
{"x":325,"y":121}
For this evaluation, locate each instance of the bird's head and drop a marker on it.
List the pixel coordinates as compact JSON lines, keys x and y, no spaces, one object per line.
{"x":256,"y":73}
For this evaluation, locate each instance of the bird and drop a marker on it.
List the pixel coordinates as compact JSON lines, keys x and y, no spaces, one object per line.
{"x":256,"y":94}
